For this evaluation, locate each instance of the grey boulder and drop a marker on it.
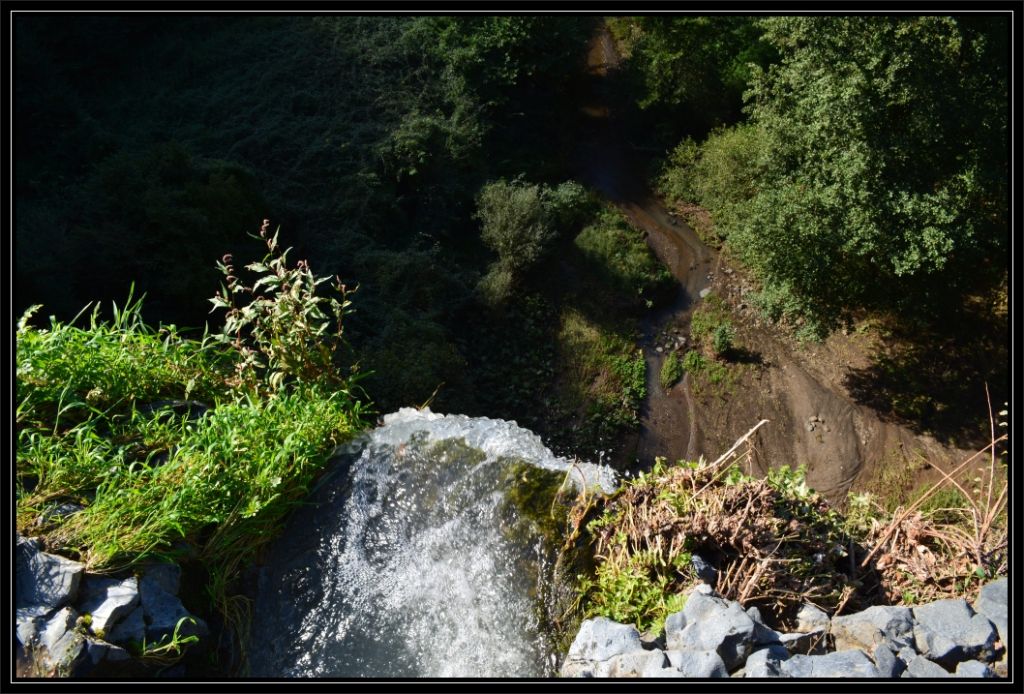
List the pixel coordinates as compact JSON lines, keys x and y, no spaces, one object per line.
{"x":949,"y":631}
{"x":714,"y":624}
{"x":841,"y":664}
{"x":130,"y":629}
{"x":893,"y":626}
{"x":810,"y":618}
{"x":992,"y":603}
{"x":635,"y":664}
{"x":107,"y":601}
{"x":974,"y":669}
{"x":889,"y":666}
{"x":163,"y":612}
{"x":766,"y":662}
{"x":704,"y":664}
{"x":922,"y":668}
{"x":598,"y":640}
{"x":44,"y":580}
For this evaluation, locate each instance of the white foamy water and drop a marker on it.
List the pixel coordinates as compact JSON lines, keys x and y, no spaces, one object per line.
{"x":409,"y":562}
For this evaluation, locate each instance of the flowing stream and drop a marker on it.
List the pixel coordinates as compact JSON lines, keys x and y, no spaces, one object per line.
{"x":413,"y":559}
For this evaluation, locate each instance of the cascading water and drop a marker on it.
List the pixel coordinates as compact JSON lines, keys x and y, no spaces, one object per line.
{"x":412,"y":558}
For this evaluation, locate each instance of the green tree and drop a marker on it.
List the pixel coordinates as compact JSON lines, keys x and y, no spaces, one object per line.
{"x":875,"y":164}
{"x":520,"y":222}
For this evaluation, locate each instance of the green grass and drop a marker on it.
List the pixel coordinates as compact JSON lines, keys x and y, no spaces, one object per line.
{"x":154,"y":482}
{"x":623,"y":257}
{"x":603,"y":373}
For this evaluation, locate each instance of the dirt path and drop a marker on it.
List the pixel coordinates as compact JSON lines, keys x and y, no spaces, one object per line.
{"x":813,"y":420}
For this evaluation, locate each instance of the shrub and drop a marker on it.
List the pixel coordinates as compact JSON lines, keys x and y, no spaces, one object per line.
{"x":722,"y":338}
{"x":694,"y":362}
{"x":671,"y":371}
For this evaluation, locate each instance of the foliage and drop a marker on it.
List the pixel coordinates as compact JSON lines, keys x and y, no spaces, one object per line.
{"x":622,"y":257}
{"x":859,"y":182}
{"x":105,"y":418}
{"x":520,"y":222}
{"x":775,"y":542}
{"x":702,"y":62}
{"x":671,"y":371}
{"x":282,"y":331}
{"x":722,"y":338}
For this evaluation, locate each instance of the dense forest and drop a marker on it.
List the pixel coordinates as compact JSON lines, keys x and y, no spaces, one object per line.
{"x":429,"y":169}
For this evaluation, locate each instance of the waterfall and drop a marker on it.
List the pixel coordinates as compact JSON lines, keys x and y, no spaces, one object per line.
{"x":412,"y":559}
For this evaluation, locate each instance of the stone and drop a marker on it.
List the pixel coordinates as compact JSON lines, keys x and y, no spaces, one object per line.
{"x":889,"y":666}
{"x":600,"y":639}
{"x":755,"y":615}
{"x":714,"y":624}
{"x":922,"y":668}
{"x":705,"y":571}
{"x":130,"y":629}
{"x":841,"y":664}
{"x":704,"y":292}
{"x":43,"y":579}
{"x":808,"y":643}
{"x":949,"y":631}
{"x":107,"y":601}
{"x":992,"y":603}
{"x":704,"y":664}
{"x":63,"y":645}
{"x":664,"y":673}
{"x":674,"y":623}
{"x":766,"y":662}
{"x":974,"y":669}
{"x":659,"y":349}
{"x":162,"y":611}
{"x":810,"y":618}
{"x":893,"y":626}
{"x":636,"y":664}
{"x":166,"y":575}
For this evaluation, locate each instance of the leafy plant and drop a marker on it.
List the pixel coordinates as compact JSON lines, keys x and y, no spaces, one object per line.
{"x":722,"y":338}
{"x":280,"y":328}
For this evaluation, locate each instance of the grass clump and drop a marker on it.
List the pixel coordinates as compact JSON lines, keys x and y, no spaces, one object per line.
{"x":622,"y":257}
{"x":181,"y":448}
{"x":671,"y":371}
{"x":604,"y":374}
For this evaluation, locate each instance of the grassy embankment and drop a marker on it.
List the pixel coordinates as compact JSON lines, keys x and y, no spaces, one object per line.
{"x":176,"y":448}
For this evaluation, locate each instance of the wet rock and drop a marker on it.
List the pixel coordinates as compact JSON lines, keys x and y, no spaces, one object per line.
{"x":841,"y":664}
{"x":992,"y":603}
{"x":949,"y":631}
{"x":703,"y":664}
{"x":107,"y":600}
{"x":598,"y":640}
{"x":714,"y":624}
{"x":974,"y":669}
{"x":766,"y":662}
{"x":922,"y":668}
{"x":44,"y":581}
{"x":893,"y":626}
{"x":810,"y":618}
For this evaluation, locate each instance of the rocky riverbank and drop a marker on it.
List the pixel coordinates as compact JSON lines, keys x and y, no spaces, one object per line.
{"x":712,"y":637}
{"x":71,"y":623}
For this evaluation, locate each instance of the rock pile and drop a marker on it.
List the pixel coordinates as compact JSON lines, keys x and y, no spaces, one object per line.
{"x":715,"y":637}
{"x":74,"y":624}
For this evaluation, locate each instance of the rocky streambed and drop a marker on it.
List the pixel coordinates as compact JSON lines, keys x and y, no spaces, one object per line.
{"x":712,"y":637}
